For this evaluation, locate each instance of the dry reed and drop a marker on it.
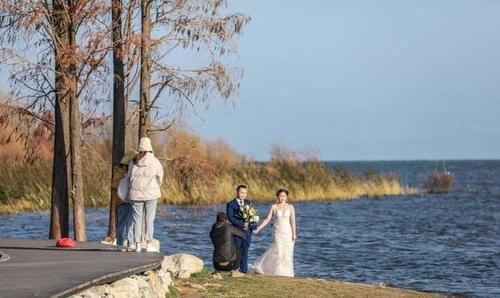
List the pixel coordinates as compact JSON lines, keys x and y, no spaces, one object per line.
{"x":198,"y":173}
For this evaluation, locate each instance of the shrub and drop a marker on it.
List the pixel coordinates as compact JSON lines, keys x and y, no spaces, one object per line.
{"x":438,"y":182}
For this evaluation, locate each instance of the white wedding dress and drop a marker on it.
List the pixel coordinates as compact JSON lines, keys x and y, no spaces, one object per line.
{"x":278,"y":259}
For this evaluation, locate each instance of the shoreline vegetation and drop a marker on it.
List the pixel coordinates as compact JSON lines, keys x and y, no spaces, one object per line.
{"x":273,"y":286}
{"x":196,"y":173}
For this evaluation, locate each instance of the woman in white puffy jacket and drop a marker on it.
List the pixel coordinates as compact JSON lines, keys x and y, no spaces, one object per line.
{"x":146,"y":176}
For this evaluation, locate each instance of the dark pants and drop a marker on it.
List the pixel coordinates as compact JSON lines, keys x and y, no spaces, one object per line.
{"x":232,"y":265}
{"x":123,"y":230}
{"x":244,"y":245}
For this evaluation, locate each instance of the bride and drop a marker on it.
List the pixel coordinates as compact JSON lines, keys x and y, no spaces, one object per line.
{"x":278,"y":258}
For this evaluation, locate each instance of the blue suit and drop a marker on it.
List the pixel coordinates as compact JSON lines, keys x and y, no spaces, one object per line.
{"x":234,"y":216}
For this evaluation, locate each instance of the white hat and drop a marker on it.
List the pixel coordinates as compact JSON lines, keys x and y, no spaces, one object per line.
{"x":145,"y":145}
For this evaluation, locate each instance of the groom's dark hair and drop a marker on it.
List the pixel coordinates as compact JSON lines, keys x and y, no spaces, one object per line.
{"x":241,"y":186}
{"x":221,"y":216}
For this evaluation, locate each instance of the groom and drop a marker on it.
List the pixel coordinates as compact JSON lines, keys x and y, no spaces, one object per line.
{"x":234,"y":216}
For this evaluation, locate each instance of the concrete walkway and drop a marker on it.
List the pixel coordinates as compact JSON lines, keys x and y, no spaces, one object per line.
{"x":37,"y":268}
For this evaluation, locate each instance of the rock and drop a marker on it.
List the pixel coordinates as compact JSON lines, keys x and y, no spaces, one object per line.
{"x":386,"y":285}
{"x":95,"y":292}
{"x":216,"y":275}
{"x":151,"y":284}
{"x":165,"y":281}
{"x":183,"y":274}
{"x":144,"y":288}
{"x":165,"y":278}
{"x":125,"y":287}
{"x":197,"y":286}
{"x":155,"y":284}
{"x":182,"y":265}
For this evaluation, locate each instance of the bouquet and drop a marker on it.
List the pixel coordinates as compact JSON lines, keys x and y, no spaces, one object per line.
{"x":249,"y":214}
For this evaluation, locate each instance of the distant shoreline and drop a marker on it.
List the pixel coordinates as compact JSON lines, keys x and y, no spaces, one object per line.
{"x":27,"y":187}
{"x":14,"y":210}
{"x":399,"y":160}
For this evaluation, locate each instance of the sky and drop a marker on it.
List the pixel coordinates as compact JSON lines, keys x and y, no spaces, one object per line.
{"x":362,"y":80}
{"x":365,"y":80}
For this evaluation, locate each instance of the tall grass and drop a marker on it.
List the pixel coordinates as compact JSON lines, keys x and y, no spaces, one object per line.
{"x":197,"y":172}
{"x":27,"y":187}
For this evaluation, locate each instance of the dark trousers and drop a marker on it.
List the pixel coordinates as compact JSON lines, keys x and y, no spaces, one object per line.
{"x":244,"y":245}
{"x":233,"y":265}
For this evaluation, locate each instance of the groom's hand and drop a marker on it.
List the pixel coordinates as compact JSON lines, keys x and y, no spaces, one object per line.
{"x":245,"y":225}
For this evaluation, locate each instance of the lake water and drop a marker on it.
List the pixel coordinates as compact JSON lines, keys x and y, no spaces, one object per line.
{"x":440,"y":243}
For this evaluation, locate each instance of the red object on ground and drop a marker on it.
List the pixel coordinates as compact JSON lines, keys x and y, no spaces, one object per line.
{"x":66,"y":243}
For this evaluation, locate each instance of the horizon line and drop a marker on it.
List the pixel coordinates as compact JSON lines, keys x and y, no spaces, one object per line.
{"x":400,"y":160}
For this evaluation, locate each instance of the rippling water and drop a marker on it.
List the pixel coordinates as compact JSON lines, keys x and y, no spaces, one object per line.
{"x":441,"y":243}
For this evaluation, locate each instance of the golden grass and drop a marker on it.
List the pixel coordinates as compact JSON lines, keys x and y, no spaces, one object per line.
{"x":25,"y":187}
{"x":269,"y":286}
{"x":196,"y":172}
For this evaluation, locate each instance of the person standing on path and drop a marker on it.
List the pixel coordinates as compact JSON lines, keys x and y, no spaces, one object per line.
{"x":124,"y":232}
{"x":146,"y":176}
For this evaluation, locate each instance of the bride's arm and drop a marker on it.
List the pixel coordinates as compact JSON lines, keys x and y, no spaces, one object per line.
{"x":292,"y":223}
{"x":266,"y":221}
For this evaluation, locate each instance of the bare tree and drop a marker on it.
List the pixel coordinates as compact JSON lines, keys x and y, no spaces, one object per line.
{"x":54,"y":73}
{"x":192,"y":25}
{"x":62,"y":69}
{"x":202,"y":28}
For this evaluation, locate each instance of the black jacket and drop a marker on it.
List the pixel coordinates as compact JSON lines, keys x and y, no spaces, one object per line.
{"x":222,"y":238}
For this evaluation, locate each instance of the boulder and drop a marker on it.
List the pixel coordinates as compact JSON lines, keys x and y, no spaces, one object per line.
{"x":182,"y":265}
{"x":156,"y":283}
{"x":125,"y":287}
{"x":144,"y":288}
{"x":184,"y":274}
{"x":95,"y":292}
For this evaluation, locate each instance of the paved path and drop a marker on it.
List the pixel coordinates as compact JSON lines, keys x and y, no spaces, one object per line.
{"x":37,"y":268}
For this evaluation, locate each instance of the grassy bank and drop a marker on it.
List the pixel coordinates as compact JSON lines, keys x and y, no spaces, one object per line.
{"x":267,"y":286}
{"x":26,"y":187}
{"x":196,"y":172}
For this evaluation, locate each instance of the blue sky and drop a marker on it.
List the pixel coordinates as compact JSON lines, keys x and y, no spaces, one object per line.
{"x":365,"y":80}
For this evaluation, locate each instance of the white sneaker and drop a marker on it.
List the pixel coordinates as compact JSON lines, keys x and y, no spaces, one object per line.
{"x":138,"y":247}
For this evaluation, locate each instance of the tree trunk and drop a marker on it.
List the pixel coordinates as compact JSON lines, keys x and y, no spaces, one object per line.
{"x":80,"y":230}
{"x":145,"y":85}
{"x":61,"y":180}
{"x":59,"y":217}
{"x":119,"y":112}
{"x":145,"y":68}
{"x":67,"y":170}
